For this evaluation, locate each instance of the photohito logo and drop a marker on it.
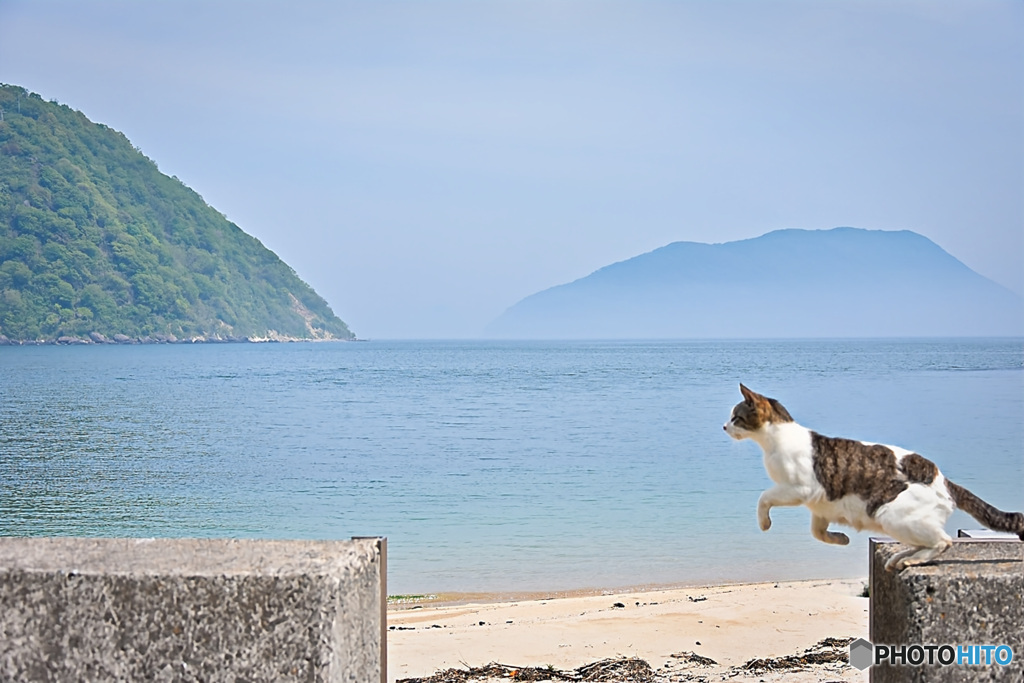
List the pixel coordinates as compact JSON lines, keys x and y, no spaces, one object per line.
{"x":864,"y":654}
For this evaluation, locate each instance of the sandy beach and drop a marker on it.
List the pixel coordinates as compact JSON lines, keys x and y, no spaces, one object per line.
{"x":679,"y":632}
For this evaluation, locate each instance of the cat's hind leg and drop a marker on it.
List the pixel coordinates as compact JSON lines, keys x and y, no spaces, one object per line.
{"x":909,"y":558}
{"x":895,"y":562}
{"x":916,"y":518}
{"x":819,"y":529}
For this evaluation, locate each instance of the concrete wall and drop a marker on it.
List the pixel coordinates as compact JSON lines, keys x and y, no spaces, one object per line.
{"x":973,"y":594}
{"x":74,"y":609}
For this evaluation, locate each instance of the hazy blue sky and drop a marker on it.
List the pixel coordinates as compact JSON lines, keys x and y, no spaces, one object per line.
{"x":425,"y":165}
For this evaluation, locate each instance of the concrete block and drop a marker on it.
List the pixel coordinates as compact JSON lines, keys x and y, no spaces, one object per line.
{"x":76,"y":609}
{"x":973,"y":594}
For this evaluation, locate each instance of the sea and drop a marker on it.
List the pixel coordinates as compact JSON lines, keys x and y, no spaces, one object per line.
{"x":490,"y":466}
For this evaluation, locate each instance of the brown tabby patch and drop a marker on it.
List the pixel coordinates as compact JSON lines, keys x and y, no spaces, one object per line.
{"x":918,"y":469}
{"x":745,"y":415}
{"x":757,"y":410}
{"x":844,"y":467}
{"x":778,"y":413}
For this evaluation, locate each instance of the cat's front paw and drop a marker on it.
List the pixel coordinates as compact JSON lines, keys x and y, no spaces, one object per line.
{"x":764,"y":521}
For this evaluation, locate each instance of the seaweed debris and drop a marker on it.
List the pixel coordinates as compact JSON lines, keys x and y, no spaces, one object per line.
{"x":826,"y":651}
{"x":694,"y":658}
{"x":636,"y":670}
{"x":621,"y":670}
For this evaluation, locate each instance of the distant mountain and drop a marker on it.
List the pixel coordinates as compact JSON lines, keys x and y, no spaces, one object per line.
{"x":97,"y":243}
{"x":843,"y":282}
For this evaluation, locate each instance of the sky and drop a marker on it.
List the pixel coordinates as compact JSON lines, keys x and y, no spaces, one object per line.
{"x":425,"y":165}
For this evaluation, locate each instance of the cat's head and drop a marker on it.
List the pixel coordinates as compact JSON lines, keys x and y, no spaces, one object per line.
{"x":753,"y":414}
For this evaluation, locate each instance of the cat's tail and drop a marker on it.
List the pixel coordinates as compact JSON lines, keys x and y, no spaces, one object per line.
{"x":992,"y":517}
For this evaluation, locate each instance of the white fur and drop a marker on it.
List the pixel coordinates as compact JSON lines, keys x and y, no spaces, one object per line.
{"x":916,"y":517}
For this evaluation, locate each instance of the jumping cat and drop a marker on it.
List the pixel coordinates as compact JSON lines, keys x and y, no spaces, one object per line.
{"x":859,"y":484}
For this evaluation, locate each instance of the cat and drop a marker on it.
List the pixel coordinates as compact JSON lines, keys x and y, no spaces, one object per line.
{"x":858,"y":484}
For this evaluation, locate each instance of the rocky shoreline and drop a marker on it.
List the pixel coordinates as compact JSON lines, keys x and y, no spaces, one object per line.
{"x":97,"y":338}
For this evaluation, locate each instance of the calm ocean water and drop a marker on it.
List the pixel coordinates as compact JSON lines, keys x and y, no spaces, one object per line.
{"x":489,"y":465}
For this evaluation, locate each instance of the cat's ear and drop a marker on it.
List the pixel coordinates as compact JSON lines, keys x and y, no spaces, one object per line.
{"x":749,"y":395}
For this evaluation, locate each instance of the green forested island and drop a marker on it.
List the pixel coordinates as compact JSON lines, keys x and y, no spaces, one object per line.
{"x":97,"y":244}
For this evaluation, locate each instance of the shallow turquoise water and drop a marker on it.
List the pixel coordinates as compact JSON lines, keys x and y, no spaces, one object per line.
{"x":489,"y":465}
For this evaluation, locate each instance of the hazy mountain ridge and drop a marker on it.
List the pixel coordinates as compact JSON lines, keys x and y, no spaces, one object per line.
{"x":96,"y":244}
{"x":844,"y":282}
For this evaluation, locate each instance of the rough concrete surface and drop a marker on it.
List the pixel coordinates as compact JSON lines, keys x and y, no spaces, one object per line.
{"x":973,"y":594}
{"x":74,"y":609}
